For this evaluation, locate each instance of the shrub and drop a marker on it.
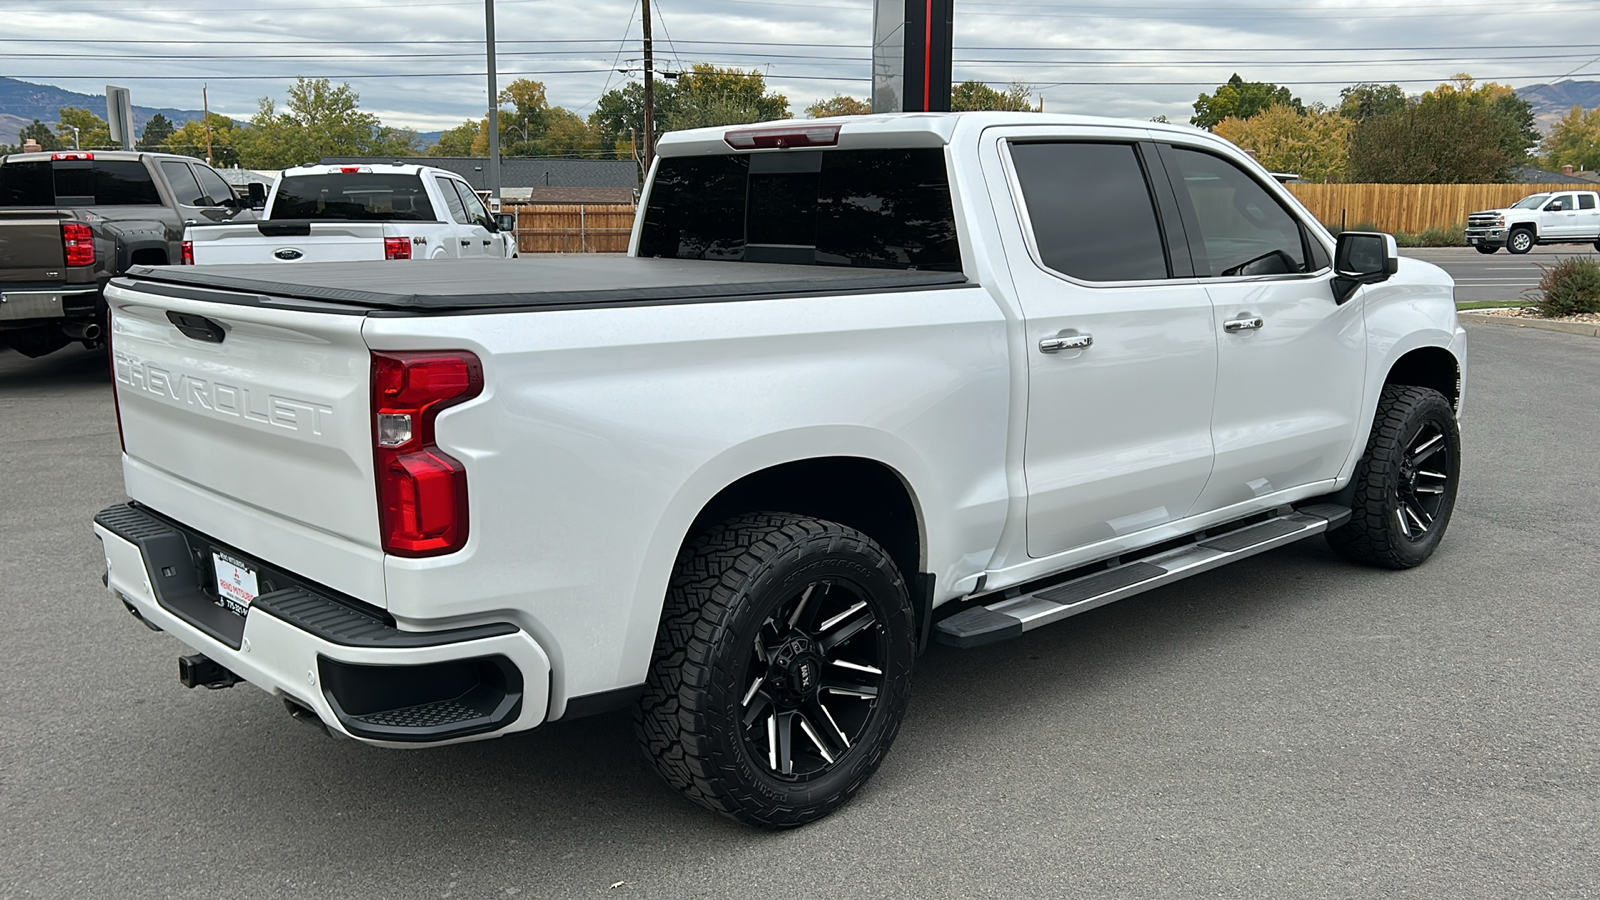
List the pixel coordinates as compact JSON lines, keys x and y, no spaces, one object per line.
{"x":1569,"y":287}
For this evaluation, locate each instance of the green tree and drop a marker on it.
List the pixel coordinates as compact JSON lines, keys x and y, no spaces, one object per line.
{"x":318,"y":120}
{"x":969,"y":96}
{"x":457,"y":141}
{"x":1360,"y":102}
{"x":708,"y":95}
{"x":39,"y":132}
{"x":1575,"y":140}
{"x":1241,"y":99}
{"x":618,"y":119}
{"x":93,"y":132}
{"x":838,"y":105}
{"x":1314,"y":144}
{"x":1514,"y":131}
{"x":1431,"y":143}
{"x":190,"y":140}
{"x":156,"y":132}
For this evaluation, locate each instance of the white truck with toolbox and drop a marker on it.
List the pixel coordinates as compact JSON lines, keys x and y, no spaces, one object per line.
{"x":1563,"y":217}
{"x":858,"y":385}
{"x":349,"y":213}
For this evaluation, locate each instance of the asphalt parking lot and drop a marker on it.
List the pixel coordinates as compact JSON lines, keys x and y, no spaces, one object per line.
{"x":1496,"y":276}
{"x":1290,"y":726}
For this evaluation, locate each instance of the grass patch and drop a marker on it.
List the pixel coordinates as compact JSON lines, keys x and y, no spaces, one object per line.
{"x":1463,"y":305}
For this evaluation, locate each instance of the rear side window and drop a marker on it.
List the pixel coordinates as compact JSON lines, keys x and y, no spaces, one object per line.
{"x":1243,"y":229}
{"x":184,"y":187}
{"x":357,"y":196}
{"x":1091,"y":210}
{"x":866,"y":208}
{"x":1586,"y":201}
{"x":123,"y":183}
{"x":452,"y":200}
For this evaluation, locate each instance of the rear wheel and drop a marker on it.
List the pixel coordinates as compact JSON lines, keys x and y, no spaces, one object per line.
{"x":1520,"y":241}
{"x":781,"y":670}
{"x":1486,"y":248}
{"x":1405,"y":483}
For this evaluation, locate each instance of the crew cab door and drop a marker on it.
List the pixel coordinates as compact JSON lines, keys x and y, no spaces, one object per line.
{"x":1291,"y":361}
{"x":1120,"y":349}
{"x":1559,"y":217}
{"x":196,"y":202}
{"x":1588,"y":221}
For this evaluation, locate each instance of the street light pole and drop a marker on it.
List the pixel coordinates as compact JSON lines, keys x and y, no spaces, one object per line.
{"x":74,"y":137}
{"x":494,"y":103}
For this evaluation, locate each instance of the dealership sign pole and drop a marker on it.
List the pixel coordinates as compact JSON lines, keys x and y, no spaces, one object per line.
{"x":912,"y":51}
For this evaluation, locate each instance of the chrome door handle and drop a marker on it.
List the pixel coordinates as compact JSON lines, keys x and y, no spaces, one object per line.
{"x":1249,"y":323}
{"x":1066,"y":342}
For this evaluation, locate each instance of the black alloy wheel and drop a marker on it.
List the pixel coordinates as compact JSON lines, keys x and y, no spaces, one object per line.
{"x":781,"y":671}
{"x":1405,"y":483}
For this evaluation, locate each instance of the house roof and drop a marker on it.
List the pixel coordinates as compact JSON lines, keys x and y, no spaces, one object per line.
{"x":523,"y":172}
{"x":1536,"y":175}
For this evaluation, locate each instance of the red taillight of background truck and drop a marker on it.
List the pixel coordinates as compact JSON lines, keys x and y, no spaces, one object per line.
{"x":422,"y":491}
{"x":397,"y":248}
{"x":77,"y":240}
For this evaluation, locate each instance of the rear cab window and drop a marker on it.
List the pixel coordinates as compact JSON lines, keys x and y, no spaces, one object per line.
{"x":353,"y":196}
{"x":877,"y":208}
{"x":77,"y":183}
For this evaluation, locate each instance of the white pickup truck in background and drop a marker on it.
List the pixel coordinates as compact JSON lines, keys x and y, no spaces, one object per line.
{"x":349,"y":213}
{"x":858,"y":385}
{"x":1568,"y":217}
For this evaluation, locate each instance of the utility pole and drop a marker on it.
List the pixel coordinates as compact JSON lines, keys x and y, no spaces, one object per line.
{"x":205,"y":115}
{"x":649,"y":90}
{"x":494,"y":104}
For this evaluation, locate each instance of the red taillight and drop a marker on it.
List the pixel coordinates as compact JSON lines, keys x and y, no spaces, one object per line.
{"x":422,"y":491}
{"x":188,"y":254}
{"x":790,"y":136}
{"x":397,"y":248}
{"x":72,"y":155}
{"x":78,"y":240}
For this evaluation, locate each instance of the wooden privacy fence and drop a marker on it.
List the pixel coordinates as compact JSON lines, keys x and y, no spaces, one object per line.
{"x":574,"y":228}
{"x":1412,"y":208}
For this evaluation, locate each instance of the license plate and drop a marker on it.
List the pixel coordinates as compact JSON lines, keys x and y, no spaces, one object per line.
{"x":1473,"y":240}
{"x":236,"y":583}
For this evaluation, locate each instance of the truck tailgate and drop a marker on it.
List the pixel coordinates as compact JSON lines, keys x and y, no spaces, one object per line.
{"x":30,"y":246}
{"x":261,"y":439}
{"x":287,"y":242}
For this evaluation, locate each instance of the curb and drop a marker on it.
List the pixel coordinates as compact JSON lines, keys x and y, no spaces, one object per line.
{"x":1583,"y":328}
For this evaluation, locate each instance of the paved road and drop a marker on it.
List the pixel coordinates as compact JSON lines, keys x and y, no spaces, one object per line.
{"x":1288,"y":727}
{"x":1496,"y":276}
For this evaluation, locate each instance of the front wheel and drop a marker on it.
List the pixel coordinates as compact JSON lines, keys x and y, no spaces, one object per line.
{"x":1405,"y":483}
{"x":1520,"y":241}
{"x":781,"y":670}
{"x":1486,"y":249}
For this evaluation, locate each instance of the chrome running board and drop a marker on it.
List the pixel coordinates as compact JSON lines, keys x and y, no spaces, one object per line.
{"x":1019,"y":614}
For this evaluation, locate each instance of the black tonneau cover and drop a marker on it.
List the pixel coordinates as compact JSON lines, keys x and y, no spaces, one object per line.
{"x":464,"y":284}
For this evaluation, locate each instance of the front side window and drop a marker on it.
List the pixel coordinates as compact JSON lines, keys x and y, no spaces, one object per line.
{"x":1565,"y":200}
{"x":216,"y":190}
{"x":1243,"y":230}
{"x":1091,"y":210}
{"x":883,"y":208}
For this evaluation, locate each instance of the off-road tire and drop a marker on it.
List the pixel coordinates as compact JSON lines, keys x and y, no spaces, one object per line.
{"x":1387,"y":474}
{"x":1519,"y":241}
{"x":728,"y":586}
{"x":1486,"y":249}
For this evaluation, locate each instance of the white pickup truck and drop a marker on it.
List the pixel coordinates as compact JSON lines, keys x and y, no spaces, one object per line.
{"x":858,"y":385}
{"x":352,"y":213}
{"x":1569,"y":217}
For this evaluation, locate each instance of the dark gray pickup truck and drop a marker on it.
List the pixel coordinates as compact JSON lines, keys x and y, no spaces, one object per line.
{"x":70,"y":221}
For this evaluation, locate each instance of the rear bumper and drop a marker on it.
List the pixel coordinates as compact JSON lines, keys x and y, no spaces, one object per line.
{"x":48,"y":303}
{"x":361,"y":676}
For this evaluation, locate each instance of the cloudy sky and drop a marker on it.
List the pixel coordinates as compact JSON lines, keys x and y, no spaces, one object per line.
{"x":420,"y":63}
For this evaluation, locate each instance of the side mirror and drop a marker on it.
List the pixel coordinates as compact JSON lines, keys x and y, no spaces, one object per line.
{"x":1554,"y":207}
{"x":256,"y":195}
{"x":1362,"y":257}
{"x":506,"y":222}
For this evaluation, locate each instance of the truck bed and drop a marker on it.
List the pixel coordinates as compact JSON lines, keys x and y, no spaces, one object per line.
{"x":561,"y":282}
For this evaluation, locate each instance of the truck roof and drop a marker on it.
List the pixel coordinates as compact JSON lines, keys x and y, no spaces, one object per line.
{"x":48,"y":155}
{"x":397,"y":168}
{"x":914,"y":129}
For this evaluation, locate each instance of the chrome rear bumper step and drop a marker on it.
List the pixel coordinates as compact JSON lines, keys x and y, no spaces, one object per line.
{"x":1013,"y":616}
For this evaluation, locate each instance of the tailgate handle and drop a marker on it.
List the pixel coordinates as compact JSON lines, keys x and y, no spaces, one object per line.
{"x":198,"y":327}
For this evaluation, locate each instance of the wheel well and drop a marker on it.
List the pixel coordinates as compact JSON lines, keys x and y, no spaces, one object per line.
{"x":861,"y":493}
{"x":1429,"y":367}
{"x":149,"y":256}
